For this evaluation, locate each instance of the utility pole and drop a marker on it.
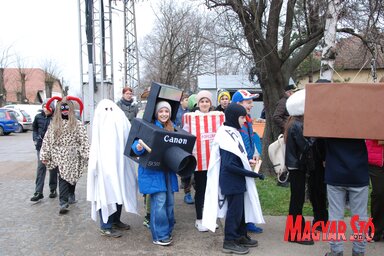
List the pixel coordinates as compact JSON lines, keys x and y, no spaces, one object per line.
{"x":96,"y":58}
{"x":131,"y":76}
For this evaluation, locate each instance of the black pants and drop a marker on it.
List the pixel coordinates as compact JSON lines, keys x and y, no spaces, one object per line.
{"x":187,"y":184}
{"x":297,"y":179}
{"x":65,"y":189}
{"x":318,"y":194}
{"x":377,"y":199}
{"x":235,"y":226}
{"x":200,"y":184}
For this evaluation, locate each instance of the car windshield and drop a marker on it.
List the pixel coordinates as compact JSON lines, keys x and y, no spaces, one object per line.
{"x":24,"y":113}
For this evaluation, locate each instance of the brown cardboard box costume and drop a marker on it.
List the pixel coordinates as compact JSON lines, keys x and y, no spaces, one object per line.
{"x":344,"y":110}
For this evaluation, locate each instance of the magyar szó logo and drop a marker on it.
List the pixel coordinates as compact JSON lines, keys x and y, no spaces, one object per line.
{"x":330,"y":231}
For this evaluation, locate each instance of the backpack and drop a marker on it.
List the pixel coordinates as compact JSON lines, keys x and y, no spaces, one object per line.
{"x":276,"y":152}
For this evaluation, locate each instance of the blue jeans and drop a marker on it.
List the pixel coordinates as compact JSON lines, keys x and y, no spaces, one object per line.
{"x":162,"y":215}
{"x":358,"y":202}
{"x":114,"y":218}
{"x":40,"y":176}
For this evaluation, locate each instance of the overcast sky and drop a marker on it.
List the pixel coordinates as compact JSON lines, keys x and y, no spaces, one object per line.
{"x":40,"y":30}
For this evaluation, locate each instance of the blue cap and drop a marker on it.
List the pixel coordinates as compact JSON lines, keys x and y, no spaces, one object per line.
{"x":241,"y":95}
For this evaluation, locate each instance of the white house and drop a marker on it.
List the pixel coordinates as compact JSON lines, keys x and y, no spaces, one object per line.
{"x":232,"y":83}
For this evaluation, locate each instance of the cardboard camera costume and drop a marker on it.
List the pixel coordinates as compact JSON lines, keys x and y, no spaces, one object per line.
{"x":168,"y":150}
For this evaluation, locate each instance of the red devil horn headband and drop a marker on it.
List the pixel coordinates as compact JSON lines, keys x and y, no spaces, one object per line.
{"x":48,"y":105}
{"x":78,"y":100}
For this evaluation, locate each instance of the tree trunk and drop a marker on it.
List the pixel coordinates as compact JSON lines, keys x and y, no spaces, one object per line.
{"x":2,"y":88}
{"x":328,"y":55}
{"x":272,"y":87}
{"x":23,"y":90}
{"x":48,"y":89}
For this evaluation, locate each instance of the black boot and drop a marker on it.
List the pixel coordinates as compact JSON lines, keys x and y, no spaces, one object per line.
{"x":233,"y":247}
{"x":37,"y":196}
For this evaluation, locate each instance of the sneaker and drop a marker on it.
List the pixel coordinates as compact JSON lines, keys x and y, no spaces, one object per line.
{"x":253,"y":228}
{"x":199,"y":226}
{"x":188,"y":199}
{"x":53,"y":194}
{"x":121,"y":225}
{"x":247,"y":241}
{"x":37,"y":196}
{"x":146,"y":222}
{"x":72,"y":199}
{"x":110,"y":233}
{"x":233,"y":247}
{"x":64,"y":209}
{"x":163,"y":242}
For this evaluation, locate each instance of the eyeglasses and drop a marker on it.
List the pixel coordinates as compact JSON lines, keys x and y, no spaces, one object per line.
{"x":64,"y":107}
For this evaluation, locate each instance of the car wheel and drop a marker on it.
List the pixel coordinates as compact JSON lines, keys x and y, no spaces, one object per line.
{"x":19,"y":128}
{"x":1,"y":131}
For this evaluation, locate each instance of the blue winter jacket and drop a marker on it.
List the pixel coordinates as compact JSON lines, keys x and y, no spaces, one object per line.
{"x":153,"y":180}
{"x":250,"y":138}
{"x":346,"y":163}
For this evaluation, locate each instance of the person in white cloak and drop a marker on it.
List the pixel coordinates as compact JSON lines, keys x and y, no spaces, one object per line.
{"x":231,"y":190}
{"x":111,"y":180}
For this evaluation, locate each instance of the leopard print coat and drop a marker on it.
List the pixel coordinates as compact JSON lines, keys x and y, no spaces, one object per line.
{"x":69,"y":153}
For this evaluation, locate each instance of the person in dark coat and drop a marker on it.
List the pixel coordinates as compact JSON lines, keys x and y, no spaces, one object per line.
{"x":233,"y":185}
{"x":297,"y":146}
{"x":126,"y":103}
{"x":280,"y":117}
{"x":39,"y":128}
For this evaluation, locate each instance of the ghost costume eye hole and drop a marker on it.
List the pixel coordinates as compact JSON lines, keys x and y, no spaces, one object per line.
{"x":106,"y":109}
{"x":111,"y":108}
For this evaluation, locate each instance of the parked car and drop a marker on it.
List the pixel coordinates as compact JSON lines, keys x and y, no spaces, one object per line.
{"x":24,"y":119}
{"x":31,"y":109}
{"x":8,"y":121}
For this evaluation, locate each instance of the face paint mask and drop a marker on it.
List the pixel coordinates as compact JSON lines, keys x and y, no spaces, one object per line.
{"x":64,"y":110}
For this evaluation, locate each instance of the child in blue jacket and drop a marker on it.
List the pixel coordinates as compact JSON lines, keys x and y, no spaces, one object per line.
{"x":159,"y":184}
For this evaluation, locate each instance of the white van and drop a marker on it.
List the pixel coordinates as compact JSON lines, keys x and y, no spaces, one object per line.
{"x":31,"y":109}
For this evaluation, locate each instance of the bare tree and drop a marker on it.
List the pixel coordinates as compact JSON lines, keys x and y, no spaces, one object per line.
{"x":280,"y":34}
{"x":177,"y":50}
{"x":5,"y":56}
{"x":51,"y":75}
{"x":277,"y":35}
{"x":23,"y":73}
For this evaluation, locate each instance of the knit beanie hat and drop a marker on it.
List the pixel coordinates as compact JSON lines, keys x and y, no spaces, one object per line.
{"x":296,"y":103}
{"x":192,"y":102}
{"x":204,"y":94}
{"x":163,"y":104}
{"x":232,"y":114}
{"x":223,"y":93}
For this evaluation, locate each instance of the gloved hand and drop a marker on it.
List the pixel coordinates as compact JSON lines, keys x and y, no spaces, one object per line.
{"x":260,"y":176}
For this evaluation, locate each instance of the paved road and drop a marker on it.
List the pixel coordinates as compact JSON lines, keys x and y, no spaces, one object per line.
{"x":38,"y":229}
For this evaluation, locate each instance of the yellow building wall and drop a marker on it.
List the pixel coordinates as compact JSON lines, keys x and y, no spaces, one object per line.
{"x":349,"y":76}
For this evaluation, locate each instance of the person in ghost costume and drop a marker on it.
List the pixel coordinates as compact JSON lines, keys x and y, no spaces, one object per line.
{"x":231,"y":190}
{"x":111,"y":181}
